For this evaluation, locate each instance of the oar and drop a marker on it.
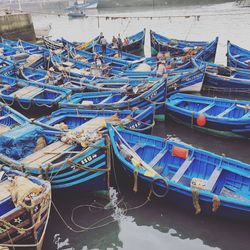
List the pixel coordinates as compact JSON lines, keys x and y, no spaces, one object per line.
{"x":135,"y":155}
{"x":247,"y":106}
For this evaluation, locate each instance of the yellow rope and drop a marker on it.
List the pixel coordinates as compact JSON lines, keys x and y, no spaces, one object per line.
{"x":216,"y":203}
{"x":195,"y":196}
{"x":135,"y":188}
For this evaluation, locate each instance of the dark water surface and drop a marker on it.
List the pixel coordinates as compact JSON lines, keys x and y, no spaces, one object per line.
{"x":158,"y":224}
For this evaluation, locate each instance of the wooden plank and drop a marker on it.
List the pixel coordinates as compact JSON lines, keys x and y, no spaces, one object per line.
{"x":4,"y":128}
{"x":4,"y":187}
{"x":183,"y":168}
{"x":48,"y":153}
{"x":213,"y":179}
{"x":157,"y":158}
{"x":94,"y":124}
{"x":27,"y":91}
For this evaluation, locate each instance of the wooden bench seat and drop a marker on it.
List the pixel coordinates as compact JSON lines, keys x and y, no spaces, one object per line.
{"x":47,"y":154}
{"x":28,"y":92}
{"x":183,"y":168}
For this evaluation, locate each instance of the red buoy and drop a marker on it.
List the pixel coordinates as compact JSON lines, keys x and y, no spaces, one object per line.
{"x":201,"y":120}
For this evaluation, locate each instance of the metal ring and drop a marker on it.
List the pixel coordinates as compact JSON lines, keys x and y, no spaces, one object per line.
{"x":166,"y":186}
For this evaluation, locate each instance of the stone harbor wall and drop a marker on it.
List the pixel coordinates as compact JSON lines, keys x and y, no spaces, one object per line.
{"x":17,"y":25}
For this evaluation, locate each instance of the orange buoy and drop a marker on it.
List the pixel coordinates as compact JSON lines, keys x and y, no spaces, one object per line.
{"x":180,"y":152}
{"x":201,"y":120}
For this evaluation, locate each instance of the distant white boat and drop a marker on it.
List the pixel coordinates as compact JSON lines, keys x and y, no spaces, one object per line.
{"x":86,"y":5}
{"x":243,"y":3}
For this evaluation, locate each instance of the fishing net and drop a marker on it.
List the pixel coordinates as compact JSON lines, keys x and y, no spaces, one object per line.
{"x":22,"y":189}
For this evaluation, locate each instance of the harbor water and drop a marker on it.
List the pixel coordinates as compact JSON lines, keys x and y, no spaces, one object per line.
{"x":118,"y":223}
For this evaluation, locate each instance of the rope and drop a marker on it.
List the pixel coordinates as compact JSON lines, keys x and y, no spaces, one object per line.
{"x":141,"y":129}
{"x":216,"y":203}
{"x":152,"y":102}
{"x":135,"y":188}
{"x":82,"y":167}
{"x":195,"y":196}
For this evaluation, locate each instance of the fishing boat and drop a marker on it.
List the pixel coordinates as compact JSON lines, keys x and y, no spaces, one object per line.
{"x":82,"y":68}
{"x":178,"y":79}
{"x":182,"y":63}
{"x":211,"y":114}
{"x":25,"y":47}
{"x":192,"y":178}
{"x":192,"y":81}
{"x":86,"y":5}
{"x":115,"y":85}
{"x":10,"y":118}
{"x":40,"y":75}
{"x":29,"y":94}
{"x":53,"y":45}
{"x":175,"y":47}
{"x":110,"y":100}
{"x":135,"y":46}
{"x":7,"y":67}
{"x":111,"y":52}
{"x":89,"y":57}
{"x":220,"y":78}
{"x":75,"y":160}
{"x":25,"y":208}
{"x":66,"y":119}
{"x":136,"y":43}
{"x":237,"y":57}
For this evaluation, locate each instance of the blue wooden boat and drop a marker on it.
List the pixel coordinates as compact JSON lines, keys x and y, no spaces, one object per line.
{"x":110,"y":100}
{"x":237,"y":57}
{"x":75,"y":84}
{"x":192,"y":81}
{"x":10,"y":118}
{"x":89,"y":57}
{"x":7,"y":67}
{"x":111,"y":52}
{"x":23,"y":221}
{"x":207,"y":54}
{"x":210,"y":114}
{"x":192,"y":178}
{"x":135,"y":46}
{"x":75,"y":160}
{"x":41,"y":75}
{"x":178,"y":80}
{"x":176,"y":47}
{"x":64,"y":119}
{"x":28,"y":94}
{"x":88,"y":46}
{"x":80,"y":68}
{"x":120,"y":85}
{"x":224,"y":79}
{"x":53,"y":45}
{"x":136,"y":43}
{"x":25,"y":47}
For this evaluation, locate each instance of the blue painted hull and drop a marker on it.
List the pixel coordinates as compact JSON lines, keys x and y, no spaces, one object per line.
{"x":141,"y":120}
{"x":168,"y":168}
{"x":109,"y":100}
{"x":163,"y":44}
{"x":237,"y":57}
{"x":219,"y":119}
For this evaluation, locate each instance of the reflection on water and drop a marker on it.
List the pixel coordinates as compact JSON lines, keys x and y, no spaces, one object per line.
{"x":158,"y":224}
